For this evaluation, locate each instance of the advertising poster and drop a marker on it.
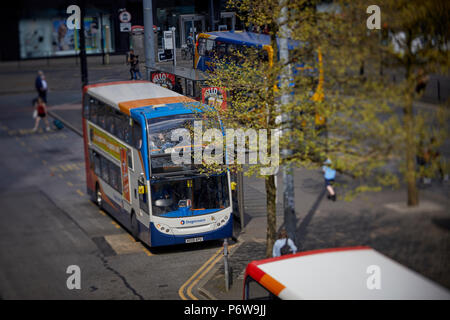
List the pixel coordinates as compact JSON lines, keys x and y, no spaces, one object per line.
{"x":215,"y":96}
{"x":166,"y":80}
{"x":62,"y":38}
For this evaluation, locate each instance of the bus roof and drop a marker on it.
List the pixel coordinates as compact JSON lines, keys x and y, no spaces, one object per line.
{"x":129,"y":95}
{"x":341,"y":273}
{"x":245,"y":38}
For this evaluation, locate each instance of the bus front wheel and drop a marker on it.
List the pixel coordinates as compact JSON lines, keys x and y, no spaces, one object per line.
{"x":134,"y":226}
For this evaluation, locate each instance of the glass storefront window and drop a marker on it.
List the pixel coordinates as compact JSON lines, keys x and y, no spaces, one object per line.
{"x":48,"y":37}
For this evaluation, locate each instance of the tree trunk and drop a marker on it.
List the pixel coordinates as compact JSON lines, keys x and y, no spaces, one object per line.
{"x":271,"y":189}
{"x":411,"y":150}
{"x":271,"y":234}
{"x":413,"y":193}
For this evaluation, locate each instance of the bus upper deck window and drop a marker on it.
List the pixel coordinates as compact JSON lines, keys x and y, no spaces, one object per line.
{"x":101,"y":115}
{"x":210,"y":45}
{"x":201,"y":46}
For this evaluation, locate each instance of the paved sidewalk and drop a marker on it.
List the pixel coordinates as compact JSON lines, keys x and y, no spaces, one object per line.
{"x":418,"y":238}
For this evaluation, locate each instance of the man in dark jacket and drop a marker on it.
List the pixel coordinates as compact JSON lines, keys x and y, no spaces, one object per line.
{"x":41,"y":86}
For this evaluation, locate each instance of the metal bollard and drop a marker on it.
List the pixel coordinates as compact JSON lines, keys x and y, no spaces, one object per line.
{"x":226,"y":266}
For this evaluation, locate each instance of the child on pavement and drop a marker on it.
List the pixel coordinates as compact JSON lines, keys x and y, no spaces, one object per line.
{"x":41,"y":109}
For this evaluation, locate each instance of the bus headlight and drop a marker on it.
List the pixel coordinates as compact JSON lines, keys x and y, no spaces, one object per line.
{"x":220,"y":221}
{"x":163,"y":228}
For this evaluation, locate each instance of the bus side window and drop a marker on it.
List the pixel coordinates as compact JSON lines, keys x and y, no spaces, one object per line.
{"x":137,"y":135}
{"x":127,"y":131}
{"x":114,"y":173}
{"x":110,"y":113}
{"x":97,"y":165}
{"x":255,"y":291}
{"x":210,"y":45}
{"x":105,"y":169}
{"x":93,"y":110}
{"x":221,"y":49}
{"x":120,"y":123}
{"x":87,"y":101}
{"x":101,"y":114}
{"x":201,"y":46}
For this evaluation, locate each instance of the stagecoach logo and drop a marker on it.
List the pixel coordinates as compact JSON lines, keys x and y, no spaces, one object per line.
{"x":165,"y":80}
{"x":183,"y":222}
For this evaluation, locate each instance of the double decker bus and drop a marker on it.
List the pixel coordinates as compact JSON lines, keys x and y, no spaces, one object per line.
{"x":129,"y":172}
{"x":222,"y":44}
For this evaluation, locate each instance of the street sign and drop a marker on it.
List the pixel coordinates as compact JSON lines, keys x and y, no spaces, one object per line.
{"x":125,"y":26}
{"x":168,"y":41}
{"x":125,"y":17}
{"x":165,"y":55}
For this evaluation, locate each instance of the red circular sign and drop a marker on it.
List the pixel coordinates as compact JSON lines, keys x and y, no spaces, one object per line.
{"x":125,"y":16}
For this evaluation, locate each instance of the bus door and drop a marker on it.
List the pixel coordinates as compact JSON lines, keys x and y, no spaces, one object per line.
{"x":137,"y":179}
{"x":143,"y":195}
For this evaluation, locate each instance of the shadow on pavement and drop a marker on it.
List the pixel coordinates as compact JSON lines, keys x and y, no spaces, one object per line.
{"x":303,"y":226}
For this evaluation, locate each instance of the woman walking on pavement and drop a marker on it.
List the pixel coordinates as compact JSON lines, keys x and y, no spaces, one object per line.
{"x":329,"y":175}
{"x":40,"y":112}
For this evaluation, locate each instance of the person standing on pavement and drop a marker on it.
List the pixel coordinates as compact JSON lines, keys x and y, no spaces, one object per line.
{"x":41,"y":86}
{"x":329,"y":175}
{"x":130,"y":59}
{"x":283,"y":245}
{"x":190,"y":43}
{"x":135,"y":68}
{"x":41,"y":110}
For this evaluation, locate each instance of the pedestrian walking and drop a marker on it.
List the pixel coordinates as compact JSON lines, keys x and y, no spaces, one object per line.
{"x":41,"y":86}
{"x":190,"y":43}
{"x":283,"y":245}
{"x":135,"y":68}
{"x":40,"y":111}
{"x":329,"y":175}
{"x":130,"y":59}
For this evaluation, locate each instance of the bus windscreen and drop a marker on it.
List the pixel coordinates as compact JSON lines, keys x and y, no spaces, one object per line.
{"x":190,"y":197}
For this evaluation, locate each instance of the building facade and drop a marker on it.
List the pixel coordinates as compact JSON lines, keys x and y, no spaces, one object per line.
{"x":37,"y":29}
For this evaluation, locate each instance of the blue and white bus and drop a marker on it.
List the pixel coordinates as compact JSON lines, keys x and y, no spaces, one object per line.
{"x":128,"y":173}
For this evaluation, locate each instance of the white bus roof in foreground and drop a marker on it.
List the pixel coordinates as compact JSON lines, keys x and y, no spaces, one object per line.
{"x":342,"y":273}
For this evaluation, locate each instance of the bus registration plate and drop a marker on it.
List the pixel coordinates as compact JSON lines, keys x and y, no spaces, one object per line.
{"x":192,"y":240}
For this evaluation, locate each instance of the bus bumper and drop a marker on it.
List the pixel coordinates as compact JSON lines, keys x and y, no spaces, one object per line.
{"x":160,"y":239}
